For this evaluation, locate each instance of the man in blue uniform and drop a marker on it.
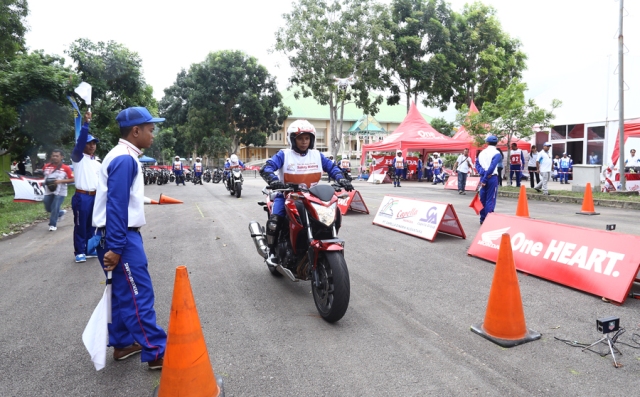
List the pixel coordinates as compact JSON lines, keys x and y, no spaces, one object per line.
{"x":232,"y":162}
{"x":398,"y":164}
{"x":118,"y":214}
{"x":86,"y":168}
{"x":420,"y":166}
{"x":178,"y":171}
{"x":516,"y":163}
{"x":299,"y":164}
{"x":565,"y":166}
{"x":487,"y":167}
{"x":438,"y":172}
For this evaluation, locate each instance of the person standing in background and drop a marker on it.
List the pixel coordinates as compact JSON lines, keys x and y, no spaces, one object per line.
{"x":545,"y":166}
{"x":86,"y":169}
{"x":532,"y":167}
{"x":420,"y":167}
{"x":463,"y":166}
{"x":516,"y":164}
{"x":56,"y":176}
{"x":500,"y":166}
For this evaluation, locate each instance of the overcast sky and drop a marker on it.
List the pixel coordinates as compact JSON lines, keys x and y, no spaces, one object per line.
{"x":571,"y":44}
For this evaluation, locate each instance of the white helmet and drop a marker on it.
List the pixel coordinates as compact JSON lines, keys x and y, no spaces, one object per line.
{"x":436,"y":154}
{"x":300,"y":127}
{"x":233,"y":159}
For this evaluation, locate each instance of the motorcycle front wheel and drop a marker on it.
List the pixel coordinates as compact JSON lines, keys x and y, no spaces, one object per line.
{"x":332,"y":293}
{"x":238,"y":189}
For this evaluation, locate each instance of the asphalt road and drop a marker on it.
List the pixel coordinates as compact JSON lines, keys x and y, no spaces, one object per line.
{"x":406,"y":332}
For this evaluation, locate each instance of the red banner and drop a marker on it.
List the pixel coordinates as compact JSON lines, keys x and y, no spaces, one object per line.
{"x":598,"y":262}
{"x":420,"y":218}
{"x":354,"y":203}
{"x":383,"y":163}
{"x":472,"y":183}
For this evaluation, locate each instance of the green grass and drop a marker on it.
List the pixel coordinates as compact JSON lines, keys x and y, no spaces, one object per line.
{"x":568,"y":193}
{"x":14,"y":216}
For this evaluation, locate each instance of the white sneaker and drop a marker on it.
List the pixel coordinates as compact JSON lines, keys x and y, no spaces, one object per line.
{"x":52,"y":228}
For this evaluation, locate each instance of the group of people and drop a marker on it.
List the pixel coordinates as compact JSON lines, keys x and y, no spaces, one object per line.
{"x":179,"y":169}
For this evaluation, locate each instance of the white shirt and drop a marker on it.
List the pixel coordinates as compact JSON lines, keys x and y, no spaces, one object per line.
{"x":545,"y":161}
{"x":136,"y":192}
{"x":533,"y":158}
{"x":301,"y":169}
{"x":463,"y":163}
{"x":86,"y":173}
{"x":486,"y":156}
{"x":633,"y":161}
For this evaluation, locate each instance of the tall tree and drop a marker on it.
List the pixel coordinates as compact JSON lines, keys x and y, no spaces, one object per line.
{"x":443,"y":126}
{"x":329,"y":39}
{"x":509,"y":116}
{"x":227,"y":100}
{"x":115,"y":74}
{"x":35,"y":114}
{"x":486,"y":58}
{"x":12,"y":28}
{"x":417,"y":59}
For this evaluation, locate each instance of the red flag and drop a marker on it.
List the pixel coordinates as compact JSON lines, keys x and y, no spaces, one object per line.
{"x":476,"y":204}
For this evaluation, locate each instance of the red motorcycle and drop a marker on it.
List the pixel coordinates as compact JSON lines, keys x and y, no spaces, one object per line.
{"x":308,"y":246}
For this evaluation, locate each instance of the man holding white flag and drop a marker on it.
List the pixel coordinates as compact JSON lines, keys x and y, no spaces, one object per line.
{"x":118,"y":214}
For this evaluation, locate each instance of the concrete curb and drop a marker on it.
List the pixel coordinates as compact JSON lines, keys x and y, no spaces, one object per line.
{"x":631,"y":205}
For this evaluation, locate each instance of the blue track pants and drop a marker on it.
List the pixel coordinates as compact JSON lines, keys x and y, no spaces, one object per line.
{"x":132,"y":300}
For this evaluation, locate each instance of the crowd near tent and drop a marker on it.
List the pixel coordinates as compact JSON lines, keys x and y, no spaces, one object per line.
{"x":415,"y":134}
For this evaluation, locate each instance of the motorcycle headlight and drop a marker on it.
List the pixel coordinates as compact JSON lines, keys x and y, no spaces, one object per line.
{"x":326,"y":215}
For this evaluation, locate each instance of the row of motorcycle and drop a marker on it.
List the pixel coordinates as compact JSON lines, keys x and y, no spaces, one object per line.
{"x":164,"y":176}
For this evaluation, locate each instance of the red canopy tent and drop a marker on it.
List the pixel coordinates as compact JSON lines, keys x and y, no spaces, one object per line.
{"x":415,"y":133}
{"x":463,"y":135}
{"x":631,"y":129}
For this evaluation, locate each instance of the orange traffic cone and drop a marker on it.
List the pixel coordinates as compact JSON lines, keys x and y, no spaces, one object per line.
{"x":186,"y":370}
{"x":147,"y":200}
{"x":168,"y":200}
{"x":523,"y":205}
{"x":504,"y":320}
{"x":476,"y":204}
{"x":587,"y":202}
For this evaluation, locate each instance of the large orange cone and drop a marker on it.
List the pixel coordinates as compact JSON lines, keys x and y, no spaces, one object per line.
{"x":186,"y":370}
{"x":504,"y":320}
{"x":587,"y":202}
{"x":523,"y":205}
{"x":476,"y":204}
{"x":168,"y":200}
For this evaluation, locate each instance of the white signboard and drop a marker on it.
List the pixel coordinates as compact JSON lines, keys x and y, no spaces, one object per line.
{"x":418,"y":218}
{"x":26,"y":188}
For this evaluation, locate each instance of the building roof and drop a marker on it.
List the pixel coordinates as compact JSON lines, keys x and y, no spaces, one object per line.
{"x":308,"y":108}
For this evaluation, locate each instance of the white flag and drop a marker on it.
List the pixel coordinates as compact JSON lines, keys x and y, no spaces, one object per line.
{"x":84,"y":91}
{"x":96,"y":335}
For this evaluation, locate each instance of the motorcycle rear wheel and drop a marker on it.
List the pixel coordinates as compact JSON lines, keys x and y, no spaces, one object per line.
{"x":332,"y":295}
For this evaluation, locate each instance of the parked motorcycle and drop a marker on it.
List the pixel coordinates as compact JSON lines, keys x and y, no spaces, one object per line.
{"x":234,"y":182}
{"x":217,"y":176}
{"x":206,"y":175}
{"x":308,"y":246}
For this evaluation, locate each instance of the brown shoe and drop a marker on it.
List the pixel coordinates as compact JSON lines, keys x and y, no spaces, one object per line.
{"x":124,"y":353}
{"x":156,"y":364}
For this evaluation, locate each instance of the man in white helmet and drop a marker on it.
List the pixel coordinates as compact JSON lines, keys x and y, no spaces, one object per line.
{"x":299,"y":164}
{"x":232,"y":162}
{"x":398,"y":165}
{"x":178,"y":170}
{"x":438,"y":176}
{"x":198,"y":168}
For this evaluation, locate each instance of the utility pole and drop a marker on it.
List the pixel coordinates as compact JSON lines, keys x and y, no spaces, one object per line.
{"x":623,"y":179}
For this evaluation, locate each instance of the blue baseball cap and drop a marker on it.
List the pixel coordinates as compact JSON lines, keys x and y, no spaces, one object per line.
{"x":136,"y":116}
{"x":492,"y":139}
{"x":91,"y":138}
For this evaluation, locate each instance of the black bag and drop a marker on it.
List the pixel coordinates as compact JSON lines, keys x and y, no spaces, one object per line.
{"x":50,"y":183}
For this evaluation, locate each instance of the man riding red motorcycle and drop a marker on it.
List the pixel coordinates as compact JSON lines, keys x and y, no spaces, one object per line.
{"x":301,"y":164}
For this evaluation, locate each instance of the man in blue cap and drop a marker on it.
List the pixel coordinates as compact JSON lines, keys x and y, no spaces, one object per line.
{"x":119,"y":214}
{"x":86,"y":168}
{"x":488,"y":169}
